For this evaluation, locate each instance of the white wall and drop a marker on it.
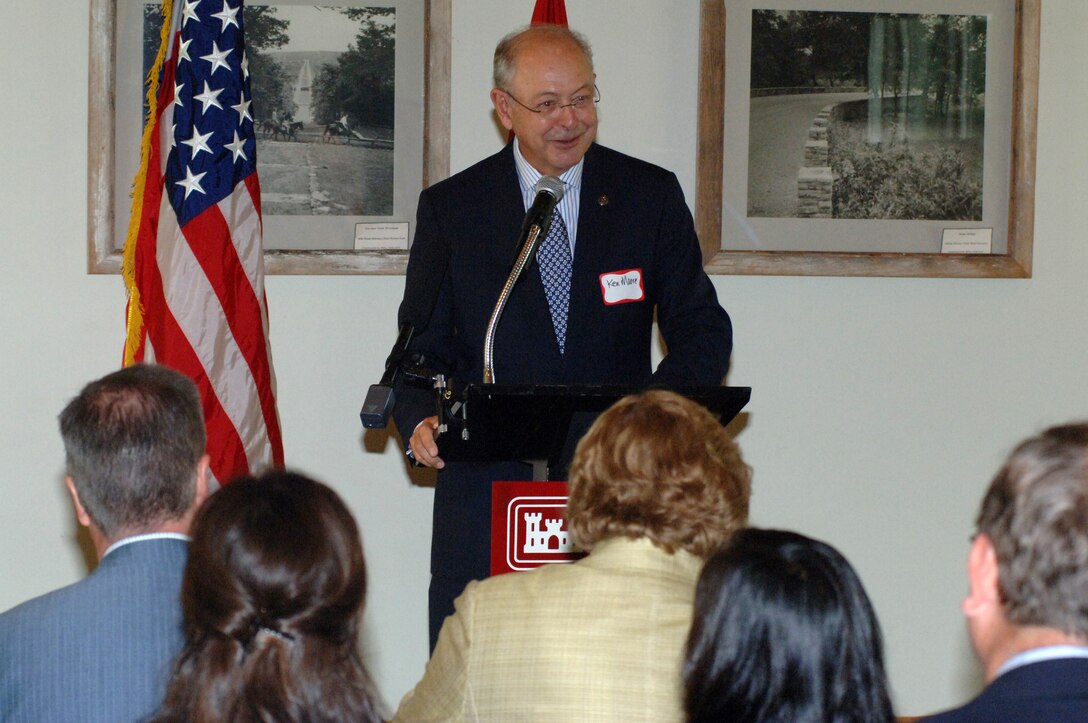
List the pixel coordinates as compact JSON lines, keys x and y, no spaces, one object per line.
{"x":880,"y":407}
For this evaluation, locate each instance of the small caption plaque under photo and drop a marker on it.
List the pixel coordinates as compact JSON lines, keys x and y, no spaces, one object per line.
{"x":381,"y":235}
{"x":967,"y":241}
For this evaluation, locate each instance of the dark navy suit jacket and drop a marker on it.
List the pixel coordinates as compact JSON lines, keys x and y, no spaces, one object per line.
{"x":1052,"y":691}
{"x":100,"y":649}
{"x":632,"y":215}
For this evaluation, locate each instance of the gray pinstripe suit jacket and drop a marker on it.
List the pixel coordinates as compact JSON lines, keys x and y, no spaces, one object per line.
{"x":100,"y":649}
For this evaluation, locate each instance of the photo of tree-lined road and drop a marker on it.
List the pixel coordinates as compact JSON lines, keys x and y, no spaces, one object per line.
{"x":866,"y":115}
{"x":323,"y":85}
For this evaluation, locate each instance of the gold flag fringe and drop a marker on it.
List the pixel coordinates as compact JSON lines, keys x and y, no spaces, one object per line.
{"x":134,"y":323}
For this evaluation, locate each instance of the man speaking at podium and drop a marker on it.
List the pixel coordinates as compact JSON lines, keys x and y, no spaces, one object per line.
{"x":621,"y":247}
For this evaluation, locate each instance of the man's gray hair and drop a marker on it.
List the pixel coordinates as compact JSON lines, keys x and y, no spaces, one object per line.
{"x":132,"y":442}
{"x":1036,"y":514}
{"x":506,"y":51}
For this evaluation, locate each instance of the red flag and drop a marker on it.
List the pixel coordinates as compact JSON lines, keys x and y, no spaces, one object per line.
{"x":194,"y":261}
{"x":550,"y":12}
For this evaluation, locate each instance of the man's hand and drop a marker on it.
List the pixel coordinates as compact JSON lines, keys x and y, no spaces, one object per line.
{"x":423,"y":443}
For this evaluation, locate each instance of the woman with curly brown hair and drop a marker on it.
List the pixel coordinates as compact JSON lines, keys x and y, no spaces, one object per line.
{"x":655,"y":487}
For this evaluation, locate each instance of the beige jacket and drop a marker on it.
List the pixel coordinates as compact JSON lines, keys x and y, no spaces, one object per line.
{"x":597,"y":640}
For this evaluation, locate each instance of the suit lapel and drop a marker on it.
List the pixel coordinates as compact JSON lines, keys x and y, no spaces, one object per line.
{"x":511,"y":209}
{"x":596,"y":225}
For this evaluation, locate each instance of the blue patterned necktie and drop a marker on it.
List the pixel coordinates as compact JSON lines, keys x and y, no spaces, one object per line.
{"x":555,"y":263}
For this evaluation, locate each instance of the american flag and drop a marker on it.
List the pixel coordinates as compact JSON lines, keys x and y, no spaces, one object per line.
{"x":193,"y":261}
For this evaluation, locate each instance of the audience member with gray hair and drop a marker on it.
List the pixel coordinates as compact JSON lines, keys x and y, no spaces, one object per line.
{"x":1027,"y":603}
{"x":100,"y":649}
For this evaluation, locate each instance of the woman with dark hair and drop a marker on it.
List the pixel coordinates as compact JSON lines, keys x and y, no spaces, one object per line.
{"x":273,"y":595}
{"x":783,"y":631}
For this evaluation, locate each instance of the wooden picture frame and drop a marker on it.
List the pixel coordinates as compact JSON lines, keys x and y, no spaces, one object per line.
{"x":1014,"y":263}
{"x":104,"y":187}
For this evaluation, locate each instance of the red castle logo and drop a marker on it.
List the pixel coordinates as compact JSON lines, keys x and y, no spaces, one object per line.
{"x":529,"y":530}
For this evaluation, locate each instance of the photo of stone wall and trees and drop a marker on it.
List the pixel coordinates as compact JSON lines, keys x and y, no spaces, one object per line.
{"x":866,"y":115}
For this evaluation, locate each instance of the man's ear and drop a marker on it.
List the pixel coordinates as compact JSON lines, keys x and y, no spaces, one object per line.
{"x":501,"y":101}
{"x":81,"y":511}
{"x":984,"y":593}
{"x":202,"y":468}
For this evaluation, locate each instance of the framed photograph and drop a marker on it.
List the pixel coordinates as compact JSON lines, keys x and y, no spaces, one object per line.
{"x":868,"y":137}
{"x":352,"y":121}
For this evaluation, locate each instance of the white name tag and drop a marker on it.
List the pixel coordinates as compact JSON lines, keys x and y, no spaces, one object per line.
{"x":622,"y":287}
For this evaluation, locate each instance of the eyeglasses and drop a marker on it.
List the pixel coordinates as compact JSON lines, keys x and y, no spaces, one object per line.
{"x":552,"y":108}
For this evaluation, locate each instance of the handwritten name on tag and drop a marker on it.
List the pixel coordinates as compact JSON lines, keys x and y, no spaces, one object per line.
{"x":622,"y":287}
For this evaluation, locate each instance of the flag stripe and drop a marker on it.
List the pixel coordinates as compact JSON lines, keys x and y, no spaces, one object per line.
{"x":169,"y":345}
{"x":241,"y":314}
{"x":203,"y":324}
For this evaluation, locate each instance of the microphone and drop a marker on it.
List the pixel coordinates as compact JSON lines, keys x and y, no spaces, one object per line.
{"x":549,"y":190}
